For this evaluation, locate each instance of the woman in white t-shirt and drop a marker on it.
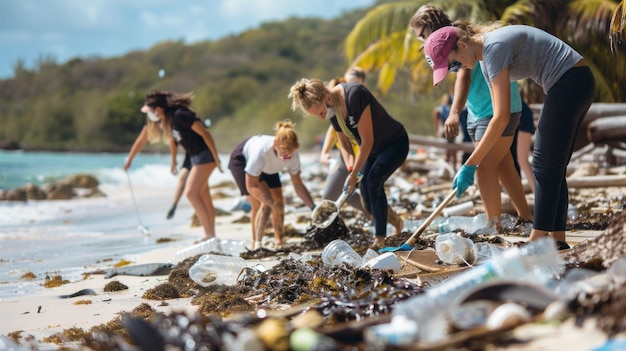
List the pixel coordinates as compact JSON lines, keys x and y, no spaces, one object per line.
{"x":255,"y":164}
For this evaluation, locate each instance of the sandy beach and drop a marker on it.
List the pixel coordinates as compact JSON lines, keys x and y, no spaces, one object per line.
{"x":34,"y":318}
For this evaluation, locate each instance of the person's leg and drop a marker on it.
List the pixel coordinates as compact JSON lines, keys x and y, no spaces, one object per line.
{"x":488,"y":178}
{"x":262,"y":215}
{"x":180,"y":186}
{"x":524,"y":142}
{"x":255,"y":206}
{"x":198,"y":194}
{"x":278,"y":216}
{"x":564,"y":109}
{"x":376,"y":171}
{"x":510,"y":179}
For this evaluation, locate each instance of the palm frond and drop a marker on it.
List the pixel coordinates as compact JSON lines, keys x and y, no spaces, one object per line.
{"x":618,"y":21}
{"x":381,"y":22}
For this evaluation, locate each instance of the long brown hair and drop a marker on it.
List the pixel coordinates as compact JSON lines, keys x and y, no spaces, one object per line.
{"x":169,"y":102}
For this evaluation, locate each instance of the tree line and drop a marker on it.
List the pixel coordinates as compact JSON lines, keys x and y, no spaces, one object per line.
{"x":240,"y":83}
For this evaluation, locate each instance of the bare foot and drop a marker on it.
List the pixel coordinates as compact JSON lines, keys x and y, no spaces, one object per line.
{"x":378,"y":240}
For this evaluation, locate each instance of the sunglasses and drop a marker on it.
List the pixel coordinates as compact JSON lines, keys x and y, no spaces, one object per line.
{"x":454,"y":66}
{"x":420,"y":36}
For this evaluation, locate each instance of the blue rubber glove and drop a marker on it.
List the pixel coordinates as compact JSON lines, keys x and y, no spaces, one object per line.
{"x":463,"y":179}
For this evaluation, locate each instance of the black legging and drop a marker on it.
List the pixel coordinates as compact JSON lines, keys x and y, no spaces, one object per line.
{"x":564,"y":109}
{"x":377,"y":169}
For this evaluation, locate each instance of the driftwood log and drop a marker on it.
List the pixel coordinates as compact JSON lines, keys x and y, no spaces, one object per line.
{"x":597,"y":111}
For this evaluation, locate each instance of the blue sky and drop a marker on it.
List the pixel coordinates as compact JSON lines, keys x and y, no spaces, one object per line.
{"x":65,"y":29}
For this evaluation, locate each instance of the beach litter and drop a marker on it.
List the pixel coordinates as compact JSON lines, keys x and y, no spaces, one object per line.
{"x":305,"y":302}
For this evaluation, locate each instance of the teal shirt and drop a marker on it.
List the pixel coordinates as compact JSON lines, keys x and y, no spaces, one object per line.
{"x":479,"y":98}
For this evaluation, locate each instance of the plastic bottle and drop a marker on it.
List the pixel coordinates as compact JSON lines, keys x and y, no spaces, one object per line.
{"x":455,"y":249}
{"x":572,"y":213}
{"x":617,"y":272}
{"x":216,"y":269}
{"x":400,"y":332}
{"x":538,"y":260}
{"x":339,"y":251}
{"x":458,"y":210}
{"x":232,"y":247}
{"x":486,"y":251}
{"x":213,"y":245}
{"x":469,"y":224}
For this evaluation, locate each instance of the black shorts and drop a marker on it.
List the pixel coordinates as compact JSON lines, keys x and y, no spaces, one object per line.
{"x":187,"y":162}
{"x":237,"y":166}
{"x":202,"y":158}
{"x":527,"y":123}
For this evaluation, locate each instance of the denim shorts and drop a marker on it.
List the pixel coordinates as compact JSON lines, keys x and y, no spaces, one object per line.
{"x":477,"y":127}
{"x":202,"y":158}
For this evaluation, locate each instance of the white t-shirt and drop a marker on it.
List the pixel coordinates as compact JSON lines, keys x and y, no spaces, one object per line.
{"x":261,"y":157}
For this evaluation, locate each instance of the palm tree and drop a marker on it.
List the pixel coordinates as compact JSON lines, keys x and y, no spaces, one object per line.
{"x":382,"y":41}
{"x":618,"y":22}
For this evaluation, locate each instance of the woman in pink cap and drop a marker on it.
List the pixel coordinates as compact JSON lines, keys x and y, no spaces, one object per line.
{"x":512,"y":53}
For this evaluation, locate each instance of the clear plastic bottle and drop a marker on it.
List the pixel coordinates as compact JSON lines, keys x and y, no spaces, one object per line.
{"x":216,"y":269}
{"x":469,"y":224}
{"x":617,"y":272}
{"x":455,"y":249}
{"x":486,"y":251}
{"x":213,"y":245}
{"x":400,"y":332}
{"x":538,"y":260}
{"x":339,"y":251}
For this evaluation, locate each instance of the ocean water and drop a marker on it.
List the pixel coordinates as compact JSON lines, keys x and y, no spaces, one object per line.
{"x":70,"y":237}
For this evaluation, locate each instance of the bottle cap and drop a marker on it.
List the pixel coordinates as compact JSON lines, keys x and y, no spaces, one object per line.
{"x":445,"y":246}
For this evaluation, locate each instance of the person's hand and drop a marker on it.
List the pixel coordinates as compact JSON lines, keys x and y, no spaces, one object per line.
{"x":174,"y":169}
{"x":351,"y":182}
{"x":463,"y":179}
{"x":451,"y":127}
{"x":219,"y":165}
{"x":325,"y":158}
{"x":127,"y":164}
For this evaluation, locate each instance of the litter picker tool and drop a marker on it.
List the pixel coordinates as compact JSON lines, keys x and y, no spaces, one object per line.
{"x":408,"y":245}
{"x":142,"y":228}
{"x":326,"y":211}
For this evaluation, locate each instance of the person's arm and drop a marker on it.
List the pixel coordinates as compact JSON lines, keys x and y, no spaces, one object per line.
{"x":329,"y":140}
{"x":140,"y":142}
{"x":501,"y":101}
{"x":435,"y":116}
{"x":346,"y":150}
{"x":173,"y":151}
{"x":200,"y":129}
{"x":301,"y":190}
{"x":366,"y":132}
{"x":461,"y":92}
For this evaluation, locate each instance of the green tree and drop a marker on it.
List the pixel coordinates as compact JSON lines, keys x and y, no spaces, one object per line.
{"x":383,"y":41}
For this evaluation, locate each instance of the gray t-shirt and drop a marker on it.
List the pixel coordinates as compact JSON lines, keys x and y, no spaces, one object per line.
{"x":529,"y":52}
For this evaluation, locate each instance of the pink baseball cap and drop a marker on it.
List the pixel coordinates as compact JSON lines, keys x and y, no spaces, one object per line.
{"x":437,"y":48}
